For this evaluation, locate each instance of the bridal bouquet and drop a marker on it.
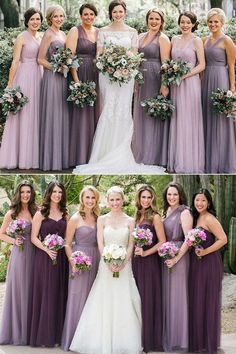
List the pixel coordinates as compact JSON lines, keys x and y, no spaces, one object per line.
{"x":158,"y":107}
{"x":168,"y":250}
{"x":173,"y":70}
{"x":224,"y":102}
{"x":114,"y":254}
{"x":81,"y":261}
{"x":82,"y":93}
{"x":142,"y":237}
{"x":120,"y":64}
{"x":12,"y":100}
{"x":16,"y":229}
{"x":62,"y":60}
{"x":53,"y":242}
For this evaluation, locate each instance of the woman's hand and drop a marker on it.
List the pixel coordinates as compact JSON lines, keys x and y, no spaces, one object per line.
{"x":18,"y":241}
{"x":164,"y":91}
{"x":52,"y":254}
{"x":200,"y":252}
{"x":170,"y":262}
{"x":139,"y":251}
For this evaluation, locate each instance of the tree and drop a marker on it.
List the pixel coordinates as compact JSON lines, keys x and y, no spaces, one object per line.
{"x":216,"y":3}
{"x":10,"y":10}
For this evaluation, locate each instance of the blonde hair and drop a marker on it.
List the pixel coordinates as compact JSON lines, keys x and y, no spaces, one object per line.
{"x":96,"y":208}
{"x":50,"y":12}
{"x":116,"y":189}
{"x":218,"y":12}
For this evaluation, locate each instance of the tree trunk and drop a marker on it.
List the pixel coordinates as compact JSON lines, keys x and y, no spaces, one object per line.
{"x":10,"y":10}
{"x":216,"y":3}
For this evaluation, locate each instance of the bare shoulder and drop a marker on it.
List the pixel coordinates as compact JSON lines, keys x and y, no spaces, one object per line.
{"x":175,"y":38}
{"x":38,"y":216}
{"x":157,"y":218}
{"x":186,"y":212}
{"x":164,"y":38}
{"x":228,"y":41}
{"x":104,"y":29}
{"x":73,"y":31}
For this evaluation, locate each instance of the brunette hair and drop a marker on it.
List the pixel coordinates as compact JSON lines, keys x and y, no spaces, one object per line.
{"x":151,"y":210}
{"x":88,"y":6}
{"x":50,"y":12}
{"x":160,"y":13}
{"x":16,"y":200}
{"x":210,"y":208}
{"x":29,"y":13}
{"x":96,"y":209}
{"x":192,"y":17}
{"x":113,"y":4}
{"x":181,"y":192}
{"x":45,"y":210}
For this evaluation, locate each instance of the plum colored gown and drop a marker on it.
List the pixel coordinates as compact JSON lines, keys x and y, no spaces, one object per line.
{"x":20,"y":141}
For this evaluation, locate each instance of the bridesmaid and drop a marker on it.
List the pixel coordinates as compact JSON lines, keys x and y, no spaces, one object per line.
{"x":219,"y":73}
{"x":82,"y":41}
{"x":24,"y":126}
{"x":15,"y":326}
{"x":147,"y":269}
{"x":209,"y":273}
{"x":82,"y":229}
{"x":50,"y":281}
{"x":177,"y":222}
{"x":150,"y":136}
{"x":186,"y":139}
{"x":54,"y":114}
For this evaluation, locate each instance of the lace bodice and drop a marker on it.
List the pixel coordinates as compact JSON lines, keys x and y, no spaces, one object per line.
{"x":127,"y":39}
{"x":119,"y":236}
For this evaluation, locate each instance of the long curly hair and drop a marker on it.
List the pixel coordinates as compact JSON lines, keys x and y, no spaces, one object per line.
{"x":16,"y":200}
{"x":46,"y":204}
{"x":151,"y":210}
{"x":96,"y":208}
{"x":182,"y":196}
{"x":210,"y":208}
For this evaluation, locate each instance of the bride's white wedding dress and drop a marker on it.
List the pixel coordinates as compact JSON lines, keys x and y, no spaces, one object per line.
{"x":111,"y":150}
{"x":111,"y":319}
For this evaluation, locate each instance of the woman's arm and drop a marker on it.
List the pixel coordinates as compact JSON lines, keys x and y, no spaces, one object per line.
{"x":36,"y":224}
{"x":100,"y":239}
{"x":165,"y":48}
{"x":19,"y":43}
{"x":71,"y":43}
{"x":200,"y":59}
{"x":42,"y":56}
{"x":214,"y":226}
{"x":230,"y":53}
{"x":70,"y":232}
{"x":100,"y":42}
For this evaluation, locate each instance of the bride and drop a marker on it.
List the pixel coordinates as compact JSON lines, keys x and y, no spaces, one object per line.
{"x":111,"y":150}
{"x":111,"y":319}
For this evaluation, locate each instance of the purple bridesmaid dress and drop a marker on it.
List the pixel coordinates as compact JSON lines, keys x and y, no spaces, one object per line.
{"x":54,"y":118}
{"x":79,"y":287}
{"x":83,"y":120}
{"x":15,"y":324}
{"x":186,"y":140}
{"x":150,"y":137}
{"x":49,"y":290}
{"x":147,"y":274}
{"x":175,"y":290}
{"x":220,"y":131}
{"x":20,"y":141}
{"x":205,"y":283}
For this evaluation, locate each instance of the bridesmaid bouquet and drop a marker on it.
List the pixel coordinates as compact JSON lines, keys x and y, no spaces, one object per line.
{"x":168,"y":250}
{"x":115,"y":255}
{"x":82,"y":93}
{"x":158,"y":107}
{"x":81,"y":261}
{"x":120,"y":64}
{"x":173,"y":70}
{"x":62,"y":60}
{"x":224,"y":102}
{"x":12,"y":100}
{"x":195,"y":237}
{"x":53,"y":242}
{"x":16,"y":229}
{"x":142,"y":237}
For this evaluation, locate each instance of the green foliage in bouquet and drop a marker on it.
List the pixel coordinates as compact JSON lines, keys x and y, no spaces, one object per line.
{"x":158,"y":107}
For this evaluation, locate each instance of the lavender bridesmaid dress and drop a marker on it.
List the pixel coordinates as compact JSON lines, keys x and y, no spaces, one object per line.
{"x":83,"y":120}
{"x":49,"y":290}
{"x":220,"y":131}
{"x":186,"y":139}
{"x":147,"y":274}
{"x":205,"y":282}
{"x":54,"y":118}
{"x":175,"y":290}
{"x":79,"y":287}
{"x":20,"y":141}
{"x":15,"y":324}
{"x":150,"y":137}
